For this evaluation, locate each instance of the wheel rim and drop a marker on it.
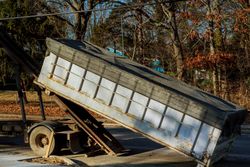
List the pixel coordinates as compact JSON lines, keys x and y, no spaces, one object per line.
{"x":41,"y":140}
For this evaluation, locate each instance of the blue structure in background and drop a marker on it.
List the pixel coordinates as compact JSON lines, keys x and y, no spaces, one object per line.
{"x":156,"y":65}
{"x":117,"y":52}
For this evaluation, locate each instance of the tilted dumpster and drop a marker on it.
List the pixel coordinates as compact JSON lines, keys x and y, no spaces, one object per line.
{"x":161,"y":108}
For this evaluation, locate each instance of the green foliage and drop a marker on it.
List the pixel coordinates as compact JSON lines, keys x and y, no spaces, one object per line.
{"x":248,"y":83}
{"x":109,"y":33}
{"x":5,"y":69}
{"x":218,"y":39}
{"x":205,"y":84}
{"x":100,"y":31}
{"x":30,"y":34}
{"x":172,"y":74}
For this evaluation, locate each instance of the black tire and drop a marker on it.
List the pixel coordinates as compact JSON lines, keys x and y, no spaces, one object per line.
{"x":39,"y":141}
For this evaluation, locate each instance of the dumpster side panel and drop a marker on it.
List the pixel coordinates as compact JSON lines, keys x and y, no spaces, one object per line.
{"x":164,"y":121}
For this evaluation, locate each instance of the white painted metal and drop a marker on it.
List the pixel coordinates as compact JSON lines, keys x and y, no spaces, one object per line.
{"x":132,"y":109}
{"x":138,"y":105}
{"x":90,"y":84}
{"x":75,"y":77}
{"x":188,"y":132}
{"x":203,"y":140}
{"x":121,"y":98}
{"x":61,"y":70}
{"x":105,"y":91}
{"x":154,"y":113}
{"x":171,"y":121}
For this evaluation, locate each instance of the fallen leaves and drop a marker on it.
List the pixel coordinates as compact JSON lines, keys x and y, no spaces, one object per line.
{"x":31,"y":109}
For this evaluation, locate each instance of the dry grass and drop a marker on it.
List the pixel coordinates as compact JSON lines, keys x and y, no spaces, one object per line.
{"x":50,"y":160}
{"x":9,"y":104}
{"x":31,"y":96}
{"x":240,"y":97}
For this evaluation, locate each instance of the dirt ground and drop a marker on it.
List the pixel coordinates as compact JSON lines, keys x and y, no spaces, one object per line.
{"x":50,"y":160}
{"x":32,"y":108}
{"x":9,"y":106}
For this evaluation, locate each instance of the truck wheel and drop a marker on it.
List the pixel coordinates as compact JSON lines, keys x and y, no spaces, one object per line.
{"x":39,"y":141}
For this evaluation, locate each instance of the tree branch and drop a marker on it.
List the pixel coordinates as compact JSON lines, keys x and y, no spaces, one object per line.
{"x":69,"y":3}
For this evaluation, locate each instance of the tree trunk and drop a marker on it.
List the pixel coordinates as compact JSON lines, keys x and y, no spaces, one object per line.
{"x":178,"y":52}
{"x":179,"y":60}
{"x":210,"y":13}
{"x":82,"y":19}
{"x":140,"y":35}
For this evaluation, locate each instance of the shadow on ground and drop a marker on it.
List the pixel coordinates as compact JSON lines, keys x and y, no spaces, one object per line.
{"x":133,"y":142}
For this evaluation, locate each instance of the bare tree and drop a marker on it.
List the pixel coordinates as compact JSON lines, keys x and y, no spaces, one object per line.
{"x":78,"y":22}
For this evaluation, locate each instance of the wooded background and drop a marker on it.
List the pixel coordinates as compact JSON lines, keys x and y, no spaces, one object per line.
{"x":205,"y":43}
